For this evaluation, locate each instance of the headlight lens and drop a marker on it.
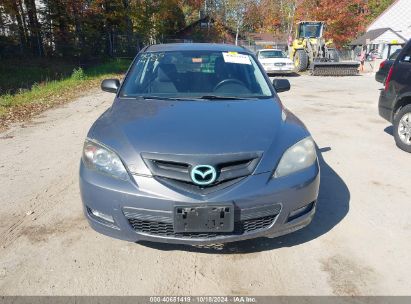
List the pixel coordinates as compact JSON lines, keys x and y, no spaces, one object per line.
{"x":300,"y":156}
{"x":104,"y":160}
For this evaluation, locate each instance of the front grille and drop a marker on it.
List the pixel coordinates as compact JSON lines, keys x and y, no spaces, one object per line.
{"x":155,"y":228}
{"x":174,"y":170}
{"x":167,"y":230}
{"x":257,"y":224}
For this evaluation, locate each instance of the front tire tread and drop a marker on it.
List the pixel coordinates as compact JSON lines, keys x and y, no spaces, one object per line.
{"x":403,"y":146}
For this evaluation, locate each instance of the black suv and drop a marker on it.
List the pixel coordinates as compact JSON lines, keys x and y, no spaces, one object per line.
{"x":395,"y":99}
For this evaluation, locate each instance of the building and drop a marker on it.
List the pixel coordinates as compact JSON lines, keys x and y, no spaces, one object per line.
{"x":388,"y":31}
{"x":382,"y":41}
{"x":397,"y":17}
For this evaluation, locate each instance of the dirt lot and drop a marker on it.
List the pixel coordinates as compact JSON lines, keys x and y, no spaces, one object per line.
{"x":358,"y":244}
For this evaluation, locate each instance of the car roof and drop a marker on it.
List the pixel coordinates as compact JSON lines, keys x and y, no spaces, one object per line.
{"x":195,"y":47}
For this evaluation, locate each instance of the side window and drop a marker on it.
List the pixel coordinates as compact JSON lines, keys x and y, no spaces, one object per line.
{"x":406,"y":56}
{"x":394,"y":55}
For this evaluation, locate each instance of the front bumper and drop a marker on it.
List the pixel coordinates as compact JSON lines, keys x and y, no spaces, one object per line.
{"x":256,"y":199}
{"x":279,"y":70}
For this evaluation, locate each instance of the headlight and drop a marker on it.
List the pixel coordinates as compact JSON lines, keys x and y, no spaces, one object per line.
{"x":300,"y":156}
{"x":102,"y":159}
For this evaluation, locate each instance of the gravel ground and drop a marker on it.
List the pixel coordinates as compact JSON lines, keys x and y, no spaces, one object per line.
{"x":358,"y":244}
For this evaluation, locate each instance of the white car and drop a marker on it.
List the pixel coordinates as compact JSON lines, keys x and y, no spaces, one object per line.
{"x":275,"y":61}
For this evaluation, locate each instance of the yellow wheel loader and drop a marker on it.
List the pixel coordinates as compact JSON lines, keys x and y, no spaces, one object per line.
{"x":310,"y":51}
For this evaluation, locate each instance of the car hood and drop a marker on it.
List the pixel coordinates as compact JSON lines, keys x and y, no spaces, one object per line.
{"x":132,"y":127}
{"x":275,"y":60}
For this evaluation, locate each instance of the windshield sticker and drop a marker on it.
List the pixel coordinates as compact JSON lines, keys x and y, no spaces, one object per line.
{"x":234,"y":57}
{"x":197,"y":60}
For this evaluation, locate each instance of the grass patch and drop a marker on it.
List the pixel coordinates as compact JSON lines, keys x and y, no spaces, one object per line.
{"x":17,"y":75}
{"x":23,"y":105}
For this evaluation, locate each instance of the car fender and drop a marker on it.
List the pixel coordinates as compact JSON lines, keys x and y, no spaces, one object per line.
{"x":401,"y":101}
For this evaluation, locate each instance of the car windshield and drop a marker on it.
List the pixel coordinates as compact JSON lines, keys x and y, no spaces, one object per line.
{"x":195,"y":74}
{"x":272,"y":54}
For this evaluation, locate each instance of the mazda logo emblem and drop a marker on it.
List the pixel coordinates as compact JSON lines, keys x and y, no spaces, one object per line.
{"x":203,"y":175}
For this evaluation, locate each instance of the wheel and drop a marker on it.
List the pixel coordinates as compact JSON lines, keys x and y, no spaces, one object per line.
{"x":402,"y":128}
{"x":300,"y":60}
{"x":334,"y":56}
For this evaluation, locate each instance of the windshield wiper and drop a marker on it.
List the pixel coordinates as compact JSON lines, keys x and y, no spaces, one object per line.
{"x":159,"y":97}
{"x":213,"y":97}
{"x":207,"y":97}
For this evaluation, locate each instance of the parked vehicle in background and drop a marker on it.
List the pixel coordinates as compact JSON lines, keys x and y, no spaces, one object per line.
{"x":385,"y":66}
{"x":275,"y":61}
{"x":395,"y":99}
{"x":311,"y":51}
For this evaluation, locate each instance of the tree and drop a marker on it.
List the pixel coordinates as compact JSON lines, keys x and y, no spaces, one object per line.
{"x":376,"y":7}
{"x":344,"y":18}
{"x":236,"y":10}
{"x":230,"y":13}
{"x":59,"y":23}
{"x":14,"y":10}
{"x":34,"y":27}
{"x":90,"y":28}
{"x":191,"y":9}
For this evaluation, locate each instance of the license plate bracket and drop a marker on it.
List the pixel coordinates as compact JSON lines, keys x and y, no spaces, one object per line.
{"x":210,"y":218}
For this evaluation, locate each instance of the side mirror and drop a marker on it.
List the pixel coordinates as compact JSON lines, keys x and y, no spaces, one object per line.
{"x":110,"y":85}
{"x":281,"y":85}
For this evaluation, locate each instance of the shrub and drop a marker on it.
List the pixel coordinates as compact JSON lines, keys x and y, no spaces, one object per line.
{"x":78,"y":74}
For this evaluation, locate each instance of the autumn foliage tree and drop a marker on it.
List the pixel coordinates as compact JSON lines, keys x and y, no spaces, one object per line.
{"x":87,"y":28}
{"x":344,"y":18}
{"x":90,"y":28}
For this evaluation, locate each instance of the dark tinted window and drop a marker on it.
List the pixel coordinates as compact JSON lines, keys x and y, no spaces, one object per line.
{"x":406,"y":54}
{"x":394,"y":55}
{"x":406,"y":57}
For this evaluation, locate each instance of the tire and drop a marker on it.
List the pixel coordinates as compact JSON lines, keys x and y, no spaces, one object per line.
{"x":401,"y":120}
{"x":334,"y":56}
{"x":300,"y":60}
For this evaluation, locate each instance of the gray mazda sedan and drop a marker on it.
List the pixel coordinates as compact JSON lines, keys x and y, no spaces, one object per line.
{"x":198,"y":149}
